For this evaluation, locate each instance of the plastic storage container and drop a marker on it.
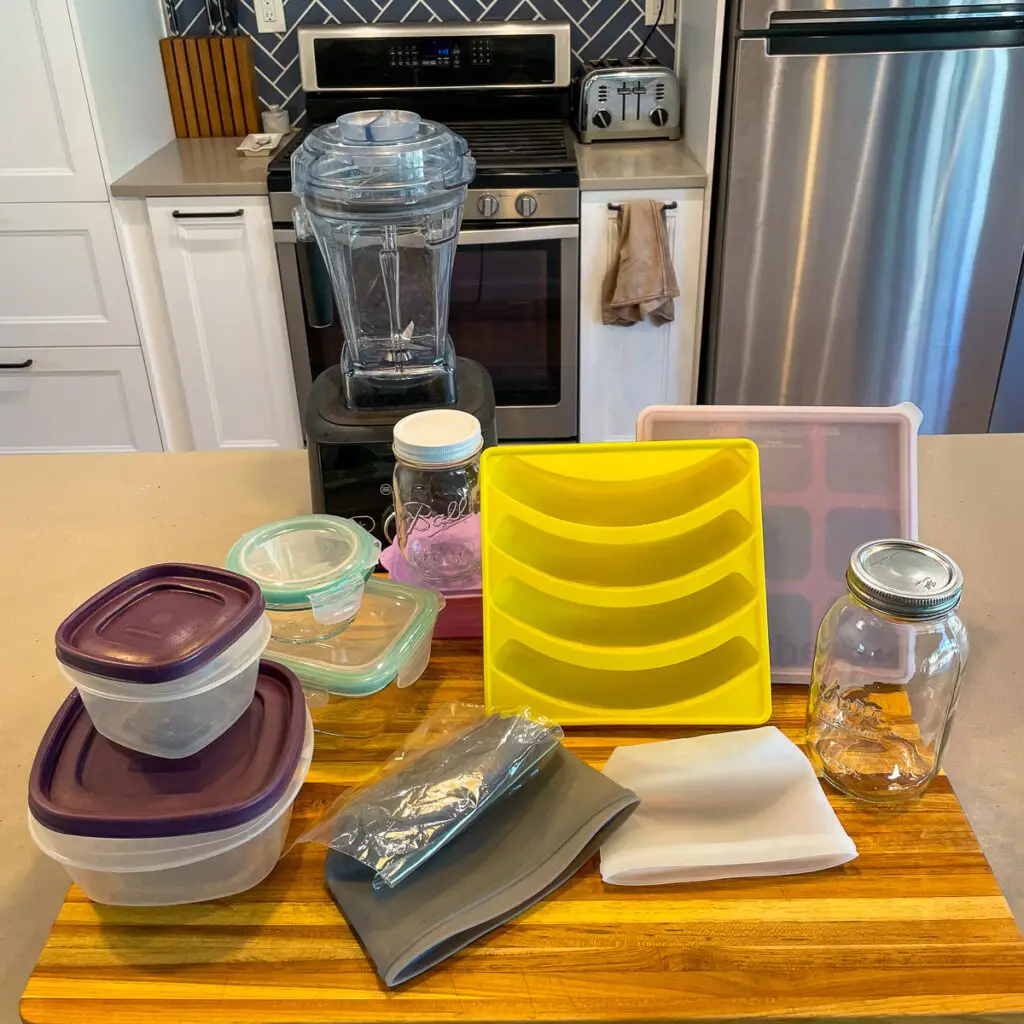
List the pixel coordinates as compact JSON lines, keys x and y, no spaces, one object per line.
{"x":311,"y":570}
{"x":887,"y":672}
{"x":141,"y":831}
{"x":831,"y":479}
{"x":166,"y":658}
{"x":388,"y":640}
{"x":624,"y":583}
{"x":462,"y":614}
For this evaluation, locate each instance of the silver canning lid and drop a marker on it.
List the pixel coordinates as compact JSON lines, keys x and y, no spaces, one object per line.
{"x":905,"y":578}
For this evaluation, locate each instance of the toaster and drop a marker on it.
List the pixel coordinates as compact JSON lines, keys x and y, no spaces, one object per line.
{"x":634,"y":98}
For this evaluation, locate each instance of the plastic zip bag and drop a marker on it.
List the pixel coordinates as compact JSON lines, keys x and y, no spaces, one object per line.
{"x":456,"y":765}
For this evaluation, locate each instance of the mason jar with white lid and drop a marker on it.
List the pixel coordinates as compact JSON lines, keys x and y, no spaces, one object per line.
{"x":437,"y":493}
{"x":888,"y":667}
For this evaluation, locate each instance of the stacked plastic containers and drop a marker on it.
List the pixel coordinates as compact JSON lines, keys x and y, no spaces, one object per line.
{"x":343,"y":632}
{"x":168,"y":776}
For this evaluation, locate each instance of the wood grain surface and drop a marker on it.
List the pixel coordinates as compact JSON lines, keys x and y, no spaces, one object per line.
{"x":914,"y":927}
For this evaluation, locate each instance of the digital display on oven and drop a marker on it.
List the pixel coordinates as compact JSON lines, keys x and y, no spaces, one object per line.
{"x":435,"y":52}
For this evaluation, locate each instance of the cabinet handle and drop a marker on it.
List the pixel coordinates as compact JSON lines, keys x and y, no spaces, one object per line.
{"x":189,"y":215}
{"x":16,"y":366}
{"x":664,"y":206}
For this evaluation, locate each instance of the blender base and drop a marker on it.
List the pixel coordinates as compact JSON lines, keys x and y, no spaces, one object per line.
{"x":349,"y":450}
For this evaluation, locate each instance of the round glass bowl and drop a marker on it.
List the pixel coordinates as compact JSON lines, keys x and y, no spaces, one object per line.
{"x":311,"y":571}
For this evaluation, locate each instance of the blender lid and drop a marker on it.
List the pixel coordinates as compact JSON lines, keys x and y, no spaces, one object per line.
{"x":304,"y":561}
{"x":371,"y":156}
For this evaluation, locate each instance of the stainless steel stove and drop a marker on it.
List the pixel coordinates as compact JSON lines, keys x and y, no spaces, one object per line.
{"x":514,"y":300}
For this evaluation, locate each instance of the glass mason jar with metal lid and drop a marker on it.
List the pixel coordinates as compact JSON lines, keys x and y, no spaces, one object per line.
{"x":888,"y":666}
{"x":437,"y":493}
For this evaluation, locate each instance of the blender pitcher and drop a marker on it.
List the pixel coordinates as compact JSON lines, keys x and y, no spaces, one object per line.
{"x":382,"y":192}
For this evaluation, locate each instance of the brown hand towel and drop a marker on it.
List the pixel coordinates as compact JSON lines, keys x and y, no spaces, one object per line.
{"x":640,"y":282}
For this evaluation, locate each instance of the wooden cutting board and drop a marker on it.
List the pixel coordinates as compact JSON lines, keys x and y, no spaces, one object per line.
{"x":211,"y":85}
{"x":914,"y":927}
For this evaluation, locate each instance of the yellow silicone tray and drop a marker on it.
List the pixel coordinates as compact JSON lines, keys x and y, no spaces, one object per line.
{"x":624,"y":584}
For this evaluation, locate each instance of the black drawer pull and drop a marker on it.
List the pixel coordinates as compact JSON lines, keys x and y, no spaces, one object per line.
{"x":16,"y":366}
{"x":664,"y":206}
{"x":189,"y":215}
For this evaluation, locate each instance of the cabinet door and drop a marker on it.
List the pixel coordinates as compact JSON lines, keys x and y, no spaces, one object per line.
{"x":625,"y":369}
{"x":75,"y":400}
{"x":49,"y":152}
{"x":219,"y":269}
{"x":63,"y":282}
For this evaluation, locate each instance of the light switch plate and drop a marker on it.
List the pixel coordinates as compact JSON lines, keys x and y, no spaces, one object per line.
{"x":270,"y":15}
{"x":668,"y":14}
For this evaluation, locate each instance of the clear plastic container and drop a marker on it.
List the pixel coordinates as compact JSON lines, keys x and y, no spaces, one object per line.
{"x":138,"y":831}
{"x":888,"y":668}
{"x":166,"y":658}
{"x":311,"y":571}
{"x":382,"y":191}
{"x":832,"y":478}
{"x":178,"y":718}
{"x":437,"y":494}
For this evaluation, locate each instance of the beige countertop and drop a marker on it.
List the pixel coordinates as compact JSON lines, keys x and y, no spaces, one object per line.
{"x":72,"y":523}
{"x":625,"y":165}
{"x":195,"y":167}
{"x":212,"y":167}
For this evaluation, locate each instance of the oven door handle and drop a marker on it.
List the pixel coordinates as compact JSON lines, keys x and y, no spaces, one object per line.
{"x":528,"y":233}
{"x":485,"y":236}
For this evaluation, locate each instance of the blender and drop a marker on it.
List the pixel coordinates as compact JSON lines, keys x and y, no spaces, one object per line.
{"x":382,"y":193}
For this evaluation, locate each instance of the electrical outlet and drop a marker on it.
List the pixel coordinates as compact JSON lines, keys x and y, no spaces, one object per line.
{"x":270,"y":15}
{"x":668,"y":14}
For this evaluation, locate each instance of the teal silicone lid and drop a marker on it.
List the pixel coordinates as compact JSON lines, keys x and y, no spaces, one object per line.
{"x":305,"y":561}
{"x":392,"y":619}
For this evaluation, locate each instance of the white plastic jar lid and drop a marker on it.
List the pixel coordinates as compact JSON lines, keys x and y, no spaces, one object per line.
{"x":437,"y":437}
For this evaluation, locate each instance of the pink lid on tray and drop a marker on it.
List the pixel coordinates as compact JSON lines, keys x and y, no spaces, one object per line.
{"x":83,"y":784}
{"x":159,"y":623}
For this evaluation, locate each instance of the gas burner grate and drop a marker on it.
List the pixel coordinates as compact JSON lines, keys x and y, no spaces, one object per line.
{"x":507,"y":144}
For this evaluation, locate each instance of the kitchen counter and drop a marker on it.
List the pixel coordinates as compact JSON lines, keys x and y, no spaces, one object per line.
{"x":195,"y":167}
{"x":626,"y":165}
{"x":73,"y":523}
{"x":212,"y":167}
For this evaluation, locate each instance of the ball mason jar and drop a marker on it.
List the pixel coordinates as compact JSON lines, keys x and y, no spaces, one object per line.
{"x":437,"y":493}
{"x":888,"y":666}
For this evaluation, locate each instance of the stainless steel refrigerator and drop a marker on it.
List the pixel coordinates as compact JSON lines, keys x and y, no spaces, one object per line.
{"x":869,"y":218}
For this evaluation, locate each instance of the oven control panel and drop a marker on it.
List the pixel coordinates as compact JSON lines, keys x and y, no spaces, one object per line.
{"x":429,"y":56}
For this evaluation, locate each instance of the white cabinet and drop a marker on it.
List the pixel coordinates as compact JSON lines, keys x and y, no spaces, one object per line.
{"x":49,"y":152}
{"x":63,"y":282}
{"x":625,"y":369}
{"x":75,"y":400}
{"x":223,"y":290}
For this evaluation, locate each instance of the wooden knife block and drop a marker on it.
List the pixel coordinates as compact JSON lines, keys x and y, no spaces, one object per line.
{"x":211,"y":83}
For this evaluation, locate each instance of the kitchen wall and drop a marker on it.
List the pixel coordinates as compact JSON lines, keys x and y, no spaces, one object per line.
{"x":600,"y":28}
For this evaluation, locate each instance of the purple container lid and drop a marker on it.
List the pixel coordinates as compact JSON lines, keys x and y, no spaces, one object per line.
{"x":159,"y":623}
{"x":83,"y":784}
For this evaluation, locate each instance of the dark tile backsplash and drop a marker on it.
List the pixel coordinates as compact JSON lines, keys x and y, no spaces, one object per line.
{"x":600,"y":28}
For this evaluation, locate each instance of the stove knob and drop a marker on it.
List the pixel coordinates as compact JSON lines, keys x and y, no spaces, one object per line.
{"x":488,"y":205}
{"x":526,"y":204}
{"x":659,"y":117}
{"x":602,"y":119}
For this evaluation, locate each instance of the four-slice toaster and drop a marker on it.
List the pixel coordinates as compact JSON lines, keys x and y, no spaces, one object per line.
{"x":634,"y":98}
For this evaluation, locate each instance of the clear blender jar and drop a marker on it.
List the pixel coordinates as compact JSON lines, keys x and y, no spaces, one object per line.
{"x":382,"y":192}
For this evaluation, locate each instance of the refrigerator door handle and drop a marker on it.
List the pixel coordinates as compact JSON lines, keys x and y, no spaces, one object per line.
{"x":763,"y":15}
{"x":892,"y":42}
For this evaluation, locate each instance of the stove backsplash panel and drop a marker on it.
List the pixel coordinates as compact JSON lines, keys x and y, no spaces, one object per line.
{"x":601,"y":28}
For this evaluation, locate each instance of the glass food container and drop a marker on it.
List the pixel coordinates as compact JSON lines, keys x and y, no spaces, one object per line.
{"x":887,"y":672}
{"x":311,"y":571}
{"x":437,"y":493}
{"x":382,"y":192}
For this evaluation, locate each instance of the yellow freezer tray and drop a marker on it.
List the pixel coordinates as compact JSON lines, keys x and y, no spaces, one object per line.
{"x":624,"y":583}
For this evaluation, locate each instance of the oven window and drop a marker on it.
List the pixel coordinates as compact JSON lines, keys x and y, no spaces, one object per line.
{"x":506,"y":312}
